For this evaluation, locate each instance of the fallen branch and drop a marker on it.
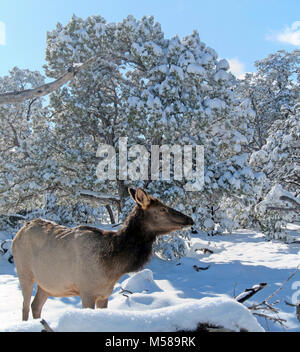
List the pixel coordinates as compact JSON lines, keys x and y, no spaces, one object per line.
{"x":249,"y":292}
{"x":20,"y":96}
{"x":3,"y":250}
{"x":207,"y":327}
{"x":46,"y":326}
{"x":123,"y":292}
{"x":204,"y":250}
{"x":222,"y":330}
{"x":198,"y":268}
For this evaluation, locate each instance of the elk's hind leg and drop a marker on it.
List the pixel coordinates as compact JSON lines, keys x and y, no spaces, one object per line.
{"x":101,"y":303}
{"x":38,"y":302}
{"x":26,"y":283}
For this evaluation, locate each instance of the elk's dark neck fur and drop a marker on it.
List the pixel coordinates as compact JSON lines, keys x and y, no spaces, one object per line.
{"x":134,"y":226}
{"x":133,"y":242}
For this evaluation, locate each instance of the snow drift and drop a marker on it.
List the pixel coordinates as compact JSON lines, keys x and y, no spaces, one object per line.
{"x":136,"y":312}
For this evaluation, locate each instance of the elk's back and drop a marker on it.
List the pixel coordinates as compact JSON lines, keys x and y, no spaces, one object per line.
{"x":61,"y":260}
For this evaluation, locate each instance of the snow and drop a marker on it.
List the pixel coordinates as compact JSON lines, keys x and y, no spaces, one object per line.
{"x":221,"y":75}
{"x":223,"y":64}
{"x":172,"y":295}
{"x":141,"y":281}
{"x":156,"y":49}
{"x":182,"y":316}
{"x":196,"y":69}
{"x":208,"y":223}
{"x":215,"y":103}
{"x":177,"y":71}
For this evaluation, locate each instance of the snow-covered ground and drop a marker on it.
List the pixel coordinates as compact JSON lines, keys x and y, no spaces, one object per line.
{"x":168,"y":296}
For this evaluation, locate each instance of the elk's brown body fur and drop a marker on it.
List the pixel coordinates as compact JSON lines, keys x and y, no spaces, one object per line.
{"x":85,"y":261}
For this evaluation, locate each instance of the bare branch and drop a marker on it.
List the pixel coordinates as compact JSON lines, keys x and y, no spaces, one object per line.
{"x":291,"y":200}
{"x":283,"y":284}
{"x":111,"y":214}
{"x":265,"y":305}
{"x":19,"y":97}
{"x":198,"y":268}
{"x":123,"y":292}
{"x":282,"y":209}
{"x":29,"y":108}
{"x":103,"y":199}
{"x":269,"y":317}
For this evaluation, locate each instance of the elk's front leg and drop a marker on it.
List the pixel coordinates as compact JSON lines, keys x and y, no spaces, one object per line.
{"x":88,"y":301}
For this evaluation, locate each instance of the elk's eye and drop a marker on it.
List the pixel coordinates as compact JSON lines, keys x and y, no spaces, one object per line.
{"x":163,"y":210}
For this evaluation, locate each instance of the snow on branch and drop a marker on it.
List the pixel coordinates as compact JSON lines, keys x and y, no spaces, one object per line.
{"x":286,"y":198}
{"x":291,"y":200}
{"x":103,"y":199}
{"x":99,"y":197}
{"x":20,"y":96}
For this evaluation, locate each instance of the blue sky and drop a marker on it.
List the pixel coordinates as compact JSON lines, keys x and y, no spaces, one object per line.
{"x":240,"y":30}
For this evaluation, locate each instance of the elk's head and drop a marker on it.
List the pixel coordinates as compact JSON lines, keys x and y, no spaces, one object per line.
{"x":158,"y":217}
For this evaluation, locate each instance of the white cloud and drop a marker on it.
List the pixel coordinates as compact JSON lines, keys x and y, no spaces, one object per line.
{"x":289,"y":35}
{"x":237,"y":67}
{"x":2,"y":34}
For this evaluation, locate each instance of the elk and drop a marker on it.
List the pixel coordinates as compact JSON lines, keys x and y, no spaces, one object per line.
{"x":86,"y":261}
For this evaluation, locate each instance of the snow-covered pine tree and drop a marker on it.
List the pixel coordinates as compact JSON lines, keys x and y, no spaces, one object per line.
{"x":22,"y":158}
{"x":188,"y":99}
{"x":154,"y":91}
{"x":279,"y":159}
{"x":272,"y":92}
{"x":91,"y":111}
{"x":31,"y":174}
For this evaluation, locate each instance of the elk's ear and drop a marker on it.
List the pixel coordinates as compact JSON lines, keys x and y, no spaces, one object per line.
{"x":132,"y":192}
{"x":142,"y":198}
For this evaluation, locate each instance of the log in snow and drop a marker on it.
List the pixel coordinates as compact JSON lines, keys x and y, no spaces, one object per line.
{"x":249,"y":292}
